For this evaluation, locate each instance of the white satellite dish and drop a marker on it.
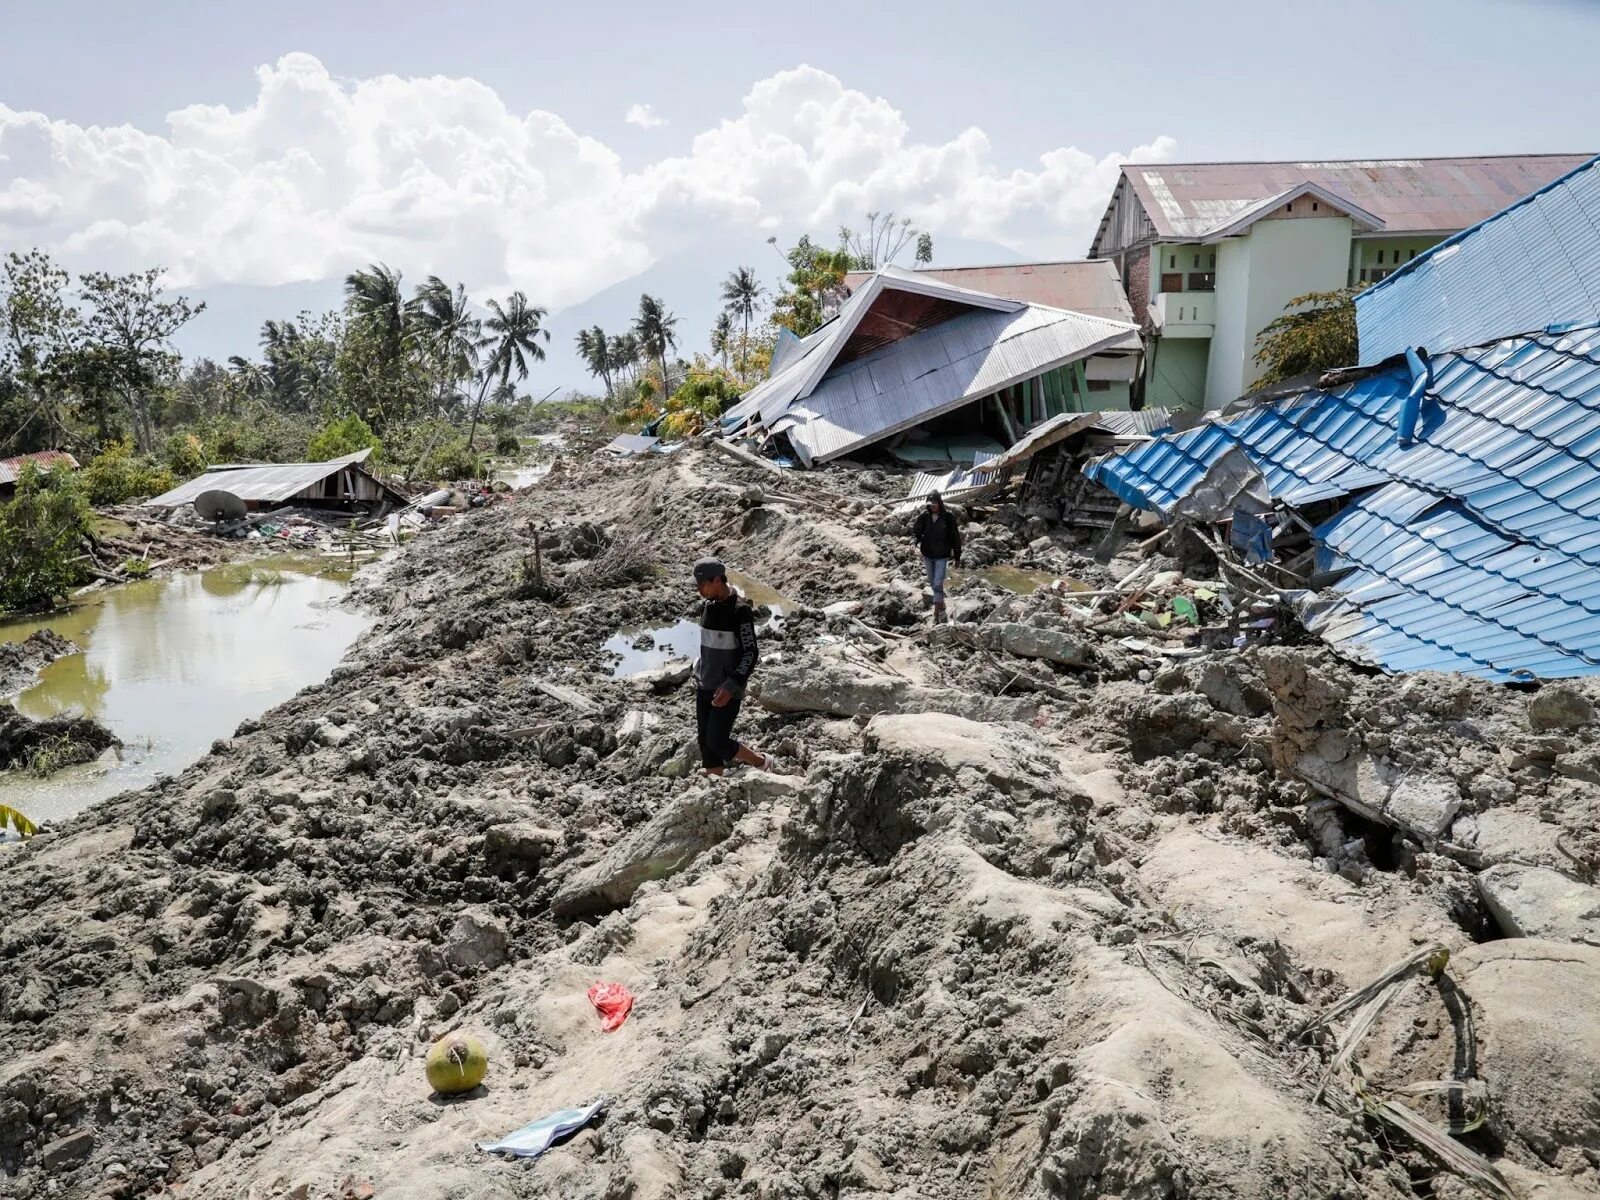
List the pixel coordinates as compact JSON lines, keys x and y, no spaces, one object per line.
{"x":218,"y":505}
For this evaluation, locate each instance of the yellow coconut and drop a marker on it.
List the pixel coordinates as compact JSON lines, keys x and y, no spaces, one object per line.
{"x":457,"y":1063}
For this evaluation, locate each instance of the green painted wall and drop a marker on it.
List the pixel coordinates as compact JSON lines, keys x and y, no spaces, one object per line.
{"x":1385,"y":254}
{"x":1175,"y":372}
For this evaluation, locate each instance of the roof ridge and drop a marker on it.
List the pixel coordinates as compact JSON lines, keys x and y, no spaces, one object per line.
{"x":1393,"y":158}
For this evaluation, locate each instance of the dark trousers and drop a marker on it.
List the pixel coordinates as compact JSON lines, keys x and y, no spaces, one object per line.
{"x":717,"y":745}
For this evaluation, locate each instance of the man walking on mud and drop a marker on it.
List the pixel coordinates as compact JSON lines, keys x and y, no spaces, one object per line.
{"x":728,"y":655}
{"x":939,"y":538}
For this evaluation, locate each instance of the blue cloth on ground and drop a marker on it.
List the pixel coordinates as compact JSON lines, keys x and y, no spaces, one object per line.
{"x":535,"y":1138}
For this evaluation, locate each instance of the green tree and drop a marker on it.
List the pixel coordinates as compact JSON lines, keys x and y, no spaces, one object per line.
{"x":656,"y":329}
{"x":512,"y":342}
{"x":815,"y":286}
{"x":924,"y":254}
{"x":447,"y":336}
{"x":127,"y":352}
{"x":341,"y":437}
{"x":741,"y":294}
{"x":116,"y":475}
{"x":594,"y":347}
{"x":42,"y":531}
{"x":622,"y":356}
{"x":38,"y":326}
{"x":722,"y":336}
{"x":373,"y":369}
{"x":1316,"y":333}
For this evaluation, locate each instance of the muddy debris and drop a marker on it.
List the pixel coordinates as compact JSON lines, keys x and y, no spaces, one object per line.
{"x":1041,"y":907}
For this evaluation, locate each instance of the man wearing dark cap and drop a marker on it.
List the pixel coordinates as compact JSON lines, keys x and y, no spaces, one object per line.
{"x":939,"y":538}
{"x":727,"y":657}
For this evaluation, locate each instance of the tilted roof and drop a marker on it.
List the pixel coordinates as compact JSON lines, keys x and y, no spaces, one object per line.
{"x":1084,"y":285}
{"x":11,"y":468}
{"x":1529,"y":266}
{"x":262,"y":484}
{"x":906,"y":348}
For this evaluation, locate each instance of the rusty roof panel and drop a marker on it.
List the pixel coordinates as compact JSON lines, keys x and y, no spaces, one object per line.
{"x":1421,"y":195}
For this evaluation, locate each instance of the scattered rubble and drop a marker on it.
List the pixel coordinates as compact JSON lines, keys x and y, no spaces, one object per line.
{"x":1042,"y":903}
{"x":21,"y":662}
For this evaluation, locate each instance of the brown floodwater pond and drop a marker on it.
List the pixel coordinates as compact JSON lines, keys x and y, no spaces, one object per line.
{"x":170,"y":665}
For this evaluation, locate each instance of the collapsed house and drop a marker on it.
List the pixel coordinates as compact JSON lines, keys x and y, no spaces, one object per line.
{"x":11,"y":468}
{"x":340,"y":483}
{"x":927,"y":369}
{"x":1089,"y":286}
{"x":1429,"y":511}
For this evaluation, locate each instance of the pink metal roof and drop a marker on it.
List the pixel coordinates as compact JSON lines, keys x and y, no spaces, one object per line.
{"x":11,"y":468}
{"x":1423,"y":195}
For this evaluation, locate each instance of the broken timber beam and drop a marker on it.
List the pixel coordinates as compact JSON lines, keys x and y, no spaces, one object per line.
{"x":740,"y":454}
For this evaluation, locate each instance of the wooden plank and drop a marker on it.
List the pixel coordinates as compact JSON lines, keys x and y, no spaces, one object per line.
{"x":572,"y":699}
{"x":740,"y":454}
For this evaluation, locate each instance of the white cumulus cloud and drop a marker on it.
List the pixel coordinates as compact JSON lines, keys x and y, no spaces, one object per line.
{"x":435,"y":174}
{"x":644,"y":116}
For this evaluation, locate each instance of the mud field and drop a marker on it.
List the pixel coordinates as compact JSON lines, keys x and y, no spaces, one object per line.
{"x":1027,"y":911}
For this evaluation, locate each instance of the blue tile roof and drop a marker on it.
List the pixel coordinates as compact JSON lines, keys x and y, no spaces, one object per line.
{"x":1477,"y":547}
{"x":1529,"y":266}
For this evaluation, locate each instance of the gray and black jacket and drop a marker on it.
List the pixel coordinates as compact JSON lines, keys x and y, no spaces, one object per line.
{"x":728,"y":652}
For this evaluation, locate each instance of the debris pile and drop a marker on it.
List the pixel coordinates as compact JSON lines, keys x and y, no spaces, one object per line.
{"x":1068,"y":897}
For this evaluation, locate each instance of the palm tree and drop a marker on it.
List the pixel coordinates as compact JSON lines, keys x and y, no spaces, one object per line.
{"x":595,"y":349}
{"x":742,"y":293}
{"x":446,"y":333}
{"x":251,"y":377}
{"x":722,"y":335}
{"x":656,"y":329}
{"x":622,"y":355}
{"x":513,"y":341}
{"x":375,"y":295}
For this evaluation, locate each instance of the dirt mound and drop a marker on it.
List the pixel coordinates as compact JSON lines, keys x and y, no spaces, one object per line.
{"x":21,"y":662}
{"x":1015,"y":918}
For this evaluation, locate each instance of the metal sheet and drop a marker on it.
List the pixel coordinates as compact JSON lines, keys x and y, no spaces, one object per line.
{"x":944,"y":367}
{"x":260,"y":484}
{"x":11,"y":468}
{"x":630,"y":444}
{"x":1421,"y":195}
{"x":1475,"y":549}
{"x":1532,"y":265}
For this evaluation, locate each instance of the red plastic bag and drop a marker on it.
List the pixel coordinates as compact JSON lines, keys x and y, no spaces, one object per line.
{"x":613,"y":1002}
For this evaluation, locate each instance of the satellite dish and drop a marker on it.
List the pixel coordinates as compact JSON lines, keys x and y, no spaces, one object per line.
{"x":217,"y":505}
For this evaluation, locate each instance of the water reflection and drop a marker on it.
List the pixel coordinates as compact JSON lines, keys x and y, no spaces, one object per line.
{"x":170,"y":665}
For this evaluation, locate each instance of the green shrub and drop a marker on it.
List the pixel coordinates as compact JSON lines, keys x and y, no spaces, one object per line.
{"x":344,"y":436}
{"x":42,"y":531}
{"x":116,"y":475}
{"x":185,"y":455}
{"x":451,"y":459}
{"x":508,"y":443}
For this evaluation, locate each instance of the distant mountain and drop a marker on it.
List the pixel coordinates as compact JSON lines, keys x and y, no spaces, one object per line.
{"x":689,"y":283}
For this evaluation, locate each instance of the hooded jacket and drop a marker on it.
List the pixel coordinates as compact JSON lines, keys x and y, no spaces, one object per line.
{"x":937,"y":535}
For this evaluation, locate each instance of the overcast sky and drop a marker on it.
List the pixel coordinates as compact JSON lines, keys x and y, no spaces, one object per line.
{"x":562,"y":148}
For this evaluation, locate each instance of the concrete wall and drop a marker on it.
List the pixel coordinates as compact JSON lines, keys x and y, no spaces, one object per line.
{"x":1175,"y":372}
{"x":1257,"y":275}
{"x":1386,"y":254}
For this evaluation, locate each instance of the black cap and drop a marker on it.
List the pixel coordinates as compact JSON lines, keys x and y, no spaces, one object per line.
{"x":935,"y":498}
{"x":707,"y":569}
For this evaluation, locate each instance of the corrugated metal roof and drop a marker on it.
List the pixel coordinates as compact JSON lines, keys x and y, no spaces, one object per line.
{"x":11,"y":468}
{"x":628,"y":444}
{"x":934,"y":371}
{"x":1534,"y":264}
{"x":1089,"y":285}
{"x":1479,"y":550}
{"x":1424,"y":195}
{"x":805,"y":365}
{"x":258,"y":484}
